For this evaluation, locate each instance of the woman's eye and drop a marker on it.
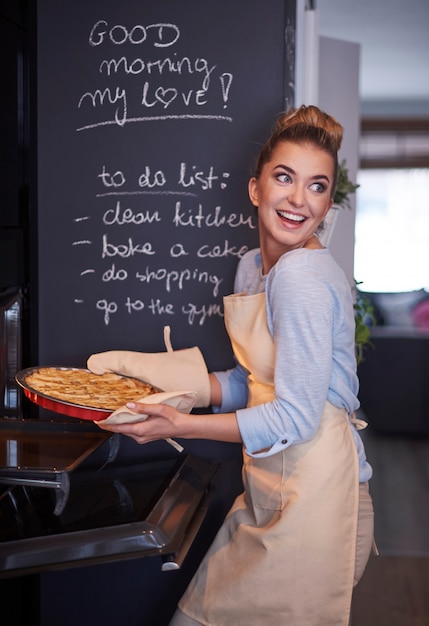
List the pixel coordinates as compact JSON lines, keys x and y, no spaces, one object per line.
{"x":319,"y":187}
{"x":283,"y":178}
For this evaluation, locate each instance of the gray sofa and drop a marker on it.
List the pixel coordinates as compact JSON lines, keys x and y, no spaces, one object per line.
{"x":394,"y":375}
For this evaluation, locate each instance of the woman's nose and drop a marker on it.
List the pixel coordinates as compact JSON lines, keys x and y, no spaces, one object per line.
{"x":296,"y":195}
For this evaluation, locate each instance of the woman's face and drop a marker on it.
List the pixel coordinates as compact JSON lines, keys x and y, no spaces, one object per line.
{"x":293,"y":195}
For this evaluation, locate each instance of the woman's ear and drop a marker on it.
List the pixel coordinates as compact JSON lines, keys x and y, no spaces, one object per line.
{"x":253,"y":191}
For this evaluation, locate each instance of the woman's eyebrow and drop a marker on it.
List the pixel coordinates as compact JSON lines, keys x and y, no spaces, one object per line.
{"x":321,"y":176}
{"x":292,"y":171}
{"x":285,"y":167}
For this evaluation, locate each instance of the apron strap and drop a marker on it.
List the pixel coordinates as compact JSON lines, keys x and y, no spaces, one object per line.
{"x":357,"y":423}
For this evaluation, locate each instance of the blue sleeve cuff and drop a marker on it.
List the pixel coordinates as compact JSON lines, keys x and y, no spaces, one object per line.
{"x":233,"y":383}
{"x":258,"y":439}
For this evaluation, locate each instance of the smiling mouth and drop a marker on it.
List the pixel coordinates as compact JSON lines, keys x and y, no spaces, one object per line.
{"x":291,"y":216}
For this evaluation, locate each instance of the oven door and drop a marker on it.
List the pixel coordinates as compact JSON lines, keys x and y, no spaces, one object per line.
{"x":84,"y":515}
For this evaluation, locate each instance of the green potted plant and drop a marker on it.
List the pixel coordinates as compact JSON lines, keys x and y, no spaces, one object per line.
{"x":364,"y":312}
{"x":344,"y":187}
{"x":364,"y":318}
{"x":341,"y":201}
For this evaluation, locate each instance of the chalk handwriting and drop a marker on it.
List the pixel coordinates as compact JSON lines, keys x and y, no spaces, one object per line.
{"x":167,"y":95}
{"x":99,"y":98}
{"x":147,"y":179}
{"x":226,"y":81}
{"x":182,"y":66}
{"x":149,"y":80}
{"x":193,"y":177}
{"x":164,"y":35}
{"x":135,"y":305}
{"x":155,"y":306}
{"x":114,"y":274}
{"x":201,"y":179}
{"x":180,"y":278}
{"x":198,"y":219}
{"x":219,"y":252}
{"x":208,"y":82}
{"x":158,"y":118}
{"x":199,"y":314}
{"x":177,"y":250}
{"x":121,"y":216}
{"x":125,"y":250}
{"x":112,"y":180}
{"x":194,"y":314}
{"x":108,"y":308}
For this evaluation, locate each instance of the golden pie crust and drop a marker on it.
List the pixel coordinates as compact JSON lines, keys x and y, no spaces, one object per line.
{"x":78,"y":386}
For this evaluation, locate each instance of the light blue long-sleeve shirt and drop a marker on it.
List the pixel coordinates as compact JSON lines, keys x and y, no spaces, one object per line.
{"x":310,"y":315}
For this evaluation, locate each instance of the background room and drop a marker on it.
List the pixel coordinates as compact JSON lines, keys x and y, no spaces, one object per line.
{"x":391,"y":261}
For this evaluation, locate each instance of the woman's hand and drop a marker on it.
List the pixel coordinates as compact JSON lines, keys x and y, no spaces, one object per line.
{"x":162,"y":422}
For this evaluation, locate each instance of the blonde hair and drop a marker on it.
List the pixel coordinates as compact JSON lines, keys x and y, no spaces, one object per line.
{"x":305,"y":124}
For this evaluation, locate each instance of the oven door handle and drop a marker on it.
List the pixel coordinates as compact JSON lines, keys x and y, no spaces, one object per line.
{"x":173,"y":561}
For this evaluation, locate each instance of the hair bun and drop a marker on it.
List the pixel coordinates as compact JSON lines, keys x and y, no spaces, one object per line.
{"x":311,"y":116}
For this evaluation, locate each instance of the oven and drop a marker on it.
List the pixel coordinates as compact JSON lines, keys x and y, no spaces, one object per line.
{"x":70,"y":499}
{"x":11,"y":304}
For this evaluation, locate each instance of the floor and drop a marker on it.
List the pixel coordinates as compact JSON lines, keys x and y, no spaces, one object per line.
{"x":400,"y":491}
{"x":394,"y":590}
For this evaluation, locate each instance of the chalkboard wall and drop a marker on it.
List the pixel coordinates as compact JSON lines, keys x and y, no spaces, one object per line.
{"x":150,"y":116}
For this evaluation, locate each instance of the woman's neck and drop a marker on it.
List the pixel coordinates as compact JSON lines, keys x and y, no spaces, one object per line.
{"x":271,"y":256}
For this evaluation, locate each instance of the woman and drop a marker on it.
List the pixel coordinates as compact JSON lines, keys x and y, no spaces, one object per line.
{"x":298,"y":539}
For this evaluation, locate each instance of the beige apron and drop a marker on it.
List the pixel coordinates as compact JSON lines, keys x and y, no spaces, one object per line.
{"x":285,"y":555}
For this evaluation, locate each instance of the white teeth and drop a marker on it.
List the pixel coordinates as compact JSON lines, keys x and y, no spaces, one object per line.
{"x":291,"y":216}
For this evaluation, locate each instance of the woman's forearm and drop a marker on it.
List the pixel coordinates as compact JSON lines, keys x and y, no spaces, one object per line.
{"x":218,"y":426}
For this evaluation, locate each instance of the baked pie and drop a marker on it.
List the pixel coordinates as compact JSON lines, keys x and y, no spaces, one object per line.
{"x":79,"y":386}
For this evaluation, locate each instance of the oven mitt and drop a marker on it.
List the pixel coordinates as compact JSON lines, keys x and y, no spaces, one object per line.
{"x":183,"y":401}
{"x":169,"y":371}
